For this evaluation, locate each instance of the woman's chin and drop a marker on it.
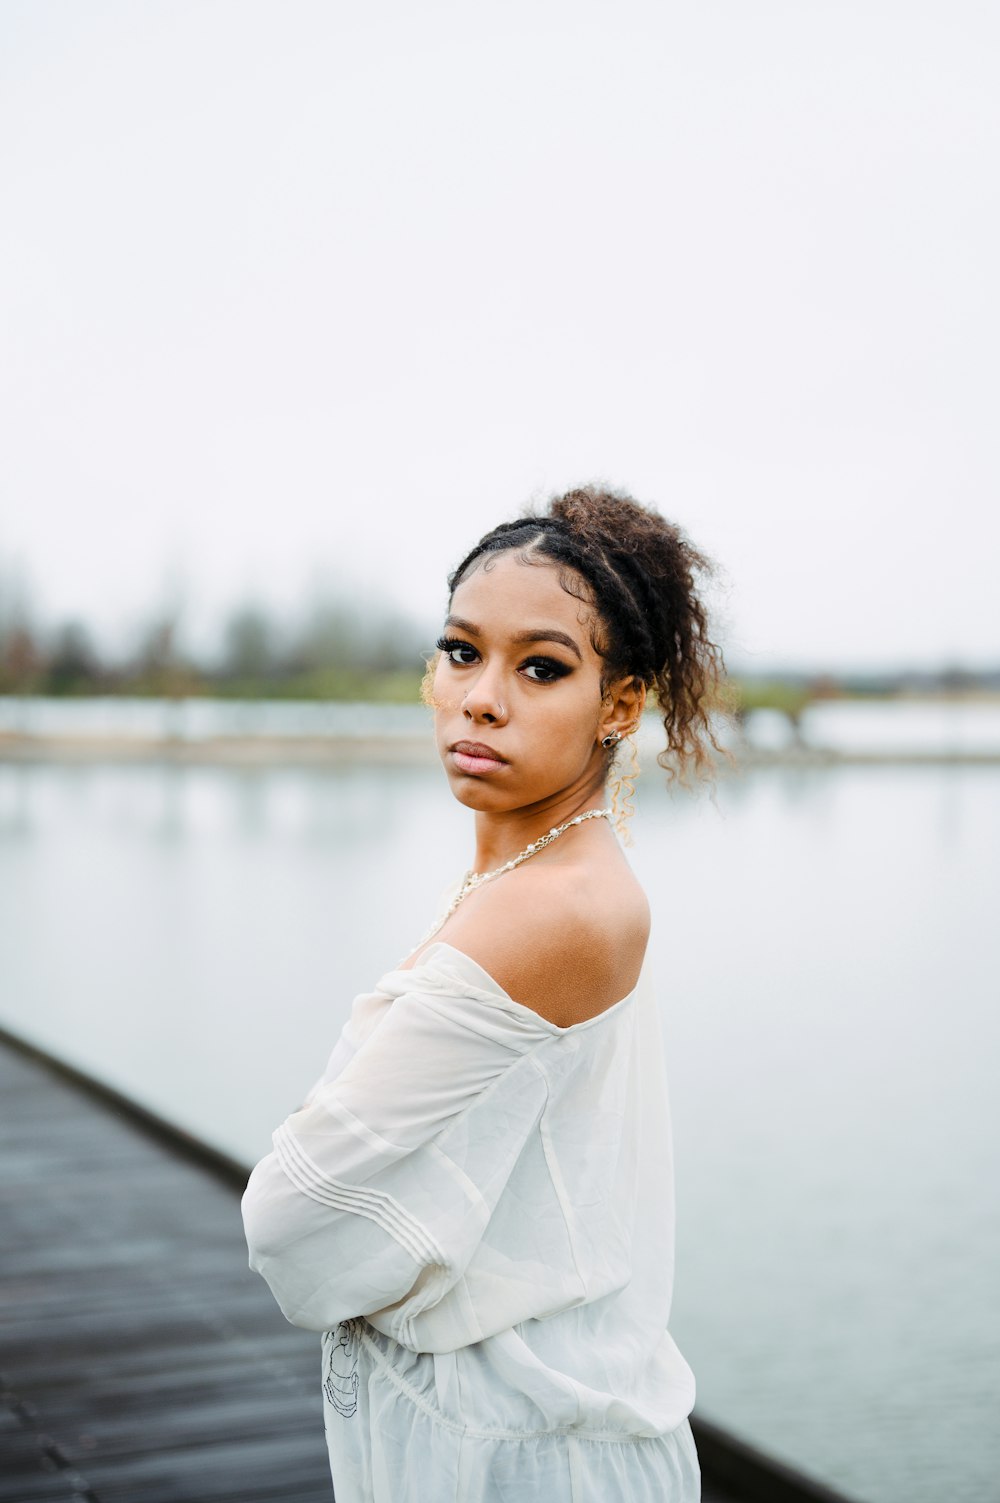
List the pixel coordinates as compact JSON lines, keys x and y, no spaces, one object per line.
{"x":478,"y":793}
{"x":472,"y":793}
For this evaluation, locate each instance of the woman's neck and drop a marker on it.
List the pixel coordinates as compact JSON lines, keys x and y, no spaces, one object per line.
{"x":501,"y":837}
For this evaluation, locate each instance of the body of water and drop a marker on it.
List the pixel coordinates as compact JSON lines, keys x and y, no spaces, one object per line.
{"x":824,"y":942}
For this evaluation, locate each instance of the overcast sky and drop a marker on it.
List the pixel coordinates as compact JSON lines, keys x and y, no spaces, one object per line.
{"x":302,"y":291}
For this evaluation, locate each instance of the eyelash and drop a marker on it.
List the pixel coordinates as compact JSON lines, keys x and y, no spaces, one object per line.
{"x":448,"y":645}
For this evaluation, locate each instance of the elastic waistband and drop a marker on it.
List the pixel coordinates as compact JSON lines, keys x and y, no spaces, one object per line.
{"x":433,"y":1413}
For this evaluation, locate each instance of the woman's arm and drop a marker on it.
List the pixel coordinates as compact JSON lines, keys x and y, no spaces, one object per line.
{"x":360,"y":1205}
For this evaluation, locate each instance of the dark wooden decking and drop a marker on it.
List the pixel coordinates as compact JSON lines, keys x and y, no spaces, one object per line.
{"x":140,"y":1359}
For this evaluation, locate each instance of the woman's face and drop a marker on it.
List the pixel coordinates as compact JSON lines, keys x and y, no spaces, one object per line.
{"x":536,"y":703}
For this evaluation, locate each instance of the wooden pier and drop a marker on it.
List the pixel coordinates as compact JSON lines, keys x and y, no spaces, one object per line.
{"x":141,"y":1361}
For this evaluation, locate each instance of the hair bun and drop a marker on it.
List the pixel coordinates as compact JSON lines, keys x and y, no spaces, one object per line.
{"x":616,"y":524}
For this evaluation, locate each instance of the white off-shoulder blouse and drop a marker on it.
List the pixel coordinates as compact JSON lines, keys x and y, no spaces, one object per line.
{"x":475,"y":1208}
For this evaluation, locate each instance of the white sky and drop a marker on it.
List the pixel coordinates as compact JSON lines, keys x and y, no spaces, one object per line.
{"x":298,"y":290}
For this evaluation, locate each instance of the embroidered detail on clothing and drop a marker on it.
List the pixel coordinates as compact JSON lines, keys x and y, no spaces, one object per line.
{"x":341,"y":1381}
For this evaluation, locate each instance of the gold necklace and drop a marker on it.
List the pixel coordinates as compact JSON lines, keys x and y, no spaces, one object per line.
{"x":472,"y":880}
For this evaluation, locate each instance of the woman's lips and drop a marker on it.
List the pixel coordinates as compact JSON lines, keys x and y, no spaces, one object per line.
{"x":468,"y":763}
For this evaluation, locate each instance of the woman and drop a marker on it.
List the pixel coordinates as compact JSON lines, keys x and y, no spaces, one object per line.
{"x":475,"y":1204}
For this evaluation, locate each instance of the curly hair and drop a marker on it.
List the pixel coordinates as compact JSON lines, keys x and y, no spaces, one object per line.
{"x":638,"y":572}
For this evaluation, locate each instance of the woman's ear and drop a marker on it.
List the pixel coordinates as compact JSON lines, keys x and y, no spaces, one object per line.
{"x":623,"y":705}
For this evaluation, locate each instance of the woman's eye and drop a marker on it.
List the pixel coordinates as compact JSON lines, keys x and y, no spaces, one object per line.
{"x":448,"y":645}
{"x":545,"y":671}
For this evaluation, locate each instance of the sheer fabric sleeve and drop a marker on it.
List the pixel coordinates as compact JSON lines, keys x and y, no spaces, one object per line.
{"x":360,"y":1208}
{"x":366,"y":1013}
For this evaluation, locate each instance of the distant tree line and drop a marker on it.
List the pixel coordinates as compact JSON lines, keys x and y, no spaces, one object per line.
{"x":346,"y":649}
{"x":342,"y":649}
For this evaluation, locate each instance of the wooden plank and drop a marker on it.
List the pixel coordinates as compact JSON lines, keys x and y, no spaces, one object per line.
{"x":141,"y":1357}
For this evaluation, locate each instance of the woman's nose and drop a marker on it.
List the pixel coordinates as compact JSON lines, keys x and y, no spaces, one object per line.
{"x":483,"y":699}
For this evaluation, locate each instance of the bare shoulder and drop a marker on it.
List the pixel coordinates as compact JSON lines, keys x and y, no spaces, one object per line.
{"x":566,"y":941}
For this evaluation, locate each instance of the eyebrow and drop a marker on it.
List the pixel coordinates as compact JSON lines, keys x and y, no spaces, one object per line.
{"x":529,"y":634}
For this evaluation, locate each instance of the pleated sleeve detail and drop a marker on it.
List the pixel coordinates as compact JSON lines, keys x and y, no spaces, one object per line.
{"x":386,"y":1212}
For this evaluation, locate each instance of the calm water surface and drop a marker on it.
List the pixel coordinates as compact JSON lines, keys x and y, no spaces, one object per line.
{"x":825,"y":951}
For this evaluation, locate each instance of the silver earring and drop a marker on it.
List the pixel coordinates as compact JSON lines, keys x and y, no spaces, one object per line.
{"x":611,"y":739}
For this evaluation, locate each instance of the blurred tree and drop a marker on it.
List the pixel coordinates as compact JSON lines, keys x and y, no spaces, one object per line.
{"x":955,"y":679}
{"x":158,"y":666}
{"x":249,"y":643}
{"x":22,"y":655}
{"x":157,"y":653}
{"x":343,"y":631}
{"x":74,"y":666}
{"x":22,"y":660}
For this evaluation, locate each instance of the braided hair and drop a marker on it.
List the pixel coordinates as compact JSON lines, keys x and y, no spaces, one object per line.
{"x":638,"y":572}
